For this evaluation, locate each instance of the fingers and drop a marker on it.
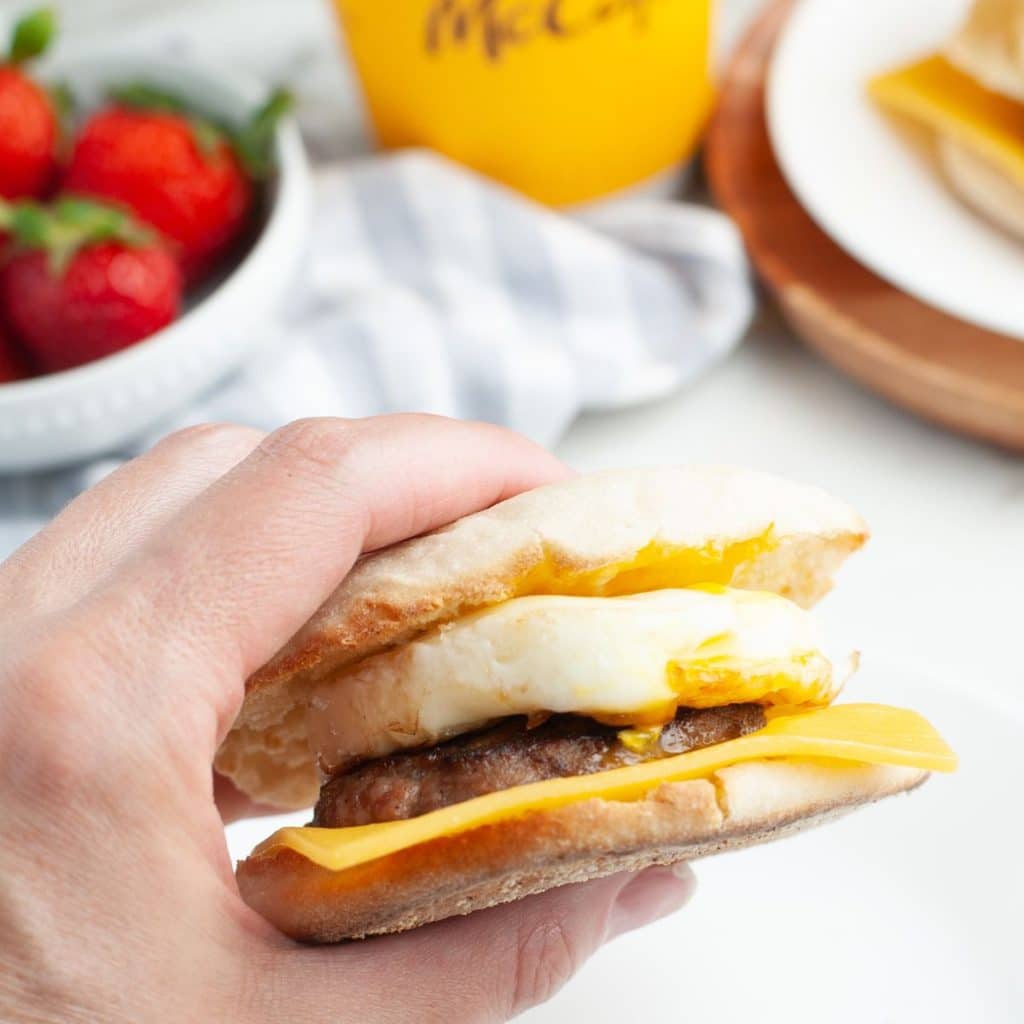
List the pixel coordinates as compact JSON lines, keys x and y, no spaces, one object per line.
{"x":487,"y":967}
{"x":225,"y":584}
{"x":233,"y":804}
{"x":99,"y":528}
{"x":651,"y":895}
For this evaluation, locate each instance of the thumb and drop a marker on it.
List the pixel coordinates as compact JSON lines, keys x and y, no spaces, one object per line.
{"x":484,"y":968}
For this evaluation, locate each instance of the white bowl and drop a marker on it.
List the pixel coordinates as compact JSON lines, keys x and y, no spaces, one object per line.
{"x":68,"y":416}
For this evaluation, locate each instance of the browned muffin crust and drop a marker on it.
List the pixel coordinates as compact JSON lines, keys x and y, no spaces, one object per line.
{"x":511,"y":754}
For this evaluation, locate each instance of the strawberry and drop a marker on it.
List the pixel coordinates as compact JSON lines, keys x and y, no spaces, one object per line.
{"x":28,"y":120}
{"x":187,"y":177}
{"x":12,"y":363}
{"x":84,"y":280}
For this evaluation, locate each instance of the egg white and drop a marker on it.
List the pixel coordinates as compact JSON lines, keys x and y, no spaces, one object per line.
{"x":625,"y":660}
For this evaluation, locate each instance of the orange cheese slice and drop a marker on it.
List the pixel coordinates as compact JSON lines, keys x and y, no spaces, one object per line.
{"x":937,"y":95}
{"x":864,"y":733}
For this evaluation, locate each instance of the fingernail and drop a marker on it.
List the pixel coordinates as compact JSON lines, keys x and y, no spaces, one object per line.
{"x":650,"y":895}
{"x":684,"y":871}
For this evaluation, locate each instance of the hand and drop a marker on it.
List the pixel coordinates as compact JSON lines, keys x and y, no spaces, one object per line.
{"x":127,"y":629}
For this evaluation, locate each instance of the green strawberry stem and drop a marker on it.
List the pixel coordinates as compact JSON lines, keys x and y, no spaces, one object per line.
{"x":141,"y":96}
{"x":62,"y":99}
{"x":252,"y":143}
{"x":32,"y":35}
{"x":67,"y":226}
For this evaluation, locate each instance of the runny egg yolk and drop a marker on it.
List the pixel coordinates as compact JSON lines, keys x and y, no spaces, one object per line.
{"x":654,"y":567}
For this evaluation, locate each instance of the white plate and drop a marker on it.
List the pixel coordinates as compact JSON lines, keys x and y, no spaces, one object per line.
{"x":908,"y":912}
{"x":873,"y":191}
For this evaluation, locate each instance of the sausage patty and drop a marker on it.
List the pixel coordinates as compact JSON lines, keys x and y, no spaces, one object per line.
{"x":511,"y":754}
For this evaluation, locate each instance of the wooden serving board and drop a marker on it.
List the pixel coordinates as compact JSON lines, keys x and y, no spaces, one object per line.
{"x":944,"y":369}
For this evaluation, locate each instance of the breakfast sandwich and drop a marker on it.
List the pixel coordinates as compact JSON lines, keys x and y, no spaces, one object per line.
{"x":970,"y":99}
{"x":610,"y":672}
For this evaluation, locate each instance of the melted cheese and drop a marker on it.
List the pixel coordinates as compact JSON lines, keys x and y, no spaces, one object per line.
{"x":940,"y":97}
{"x":641,"y":741}
{"x":863,"y":733}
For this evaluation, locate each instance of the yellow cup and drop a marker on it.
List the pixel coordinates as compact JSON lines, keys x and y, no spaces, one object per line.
{"x":565,"y":100}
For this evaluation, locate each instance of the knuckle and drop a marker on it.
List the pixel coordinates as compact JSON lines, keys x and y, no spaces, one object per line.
{"x":546,"y":957}
{"x":58,"y":735}
{"x":42,"y":673}
{"x":48,"y":721}
{"x":212,"y":438}
{"x":321,"y":444}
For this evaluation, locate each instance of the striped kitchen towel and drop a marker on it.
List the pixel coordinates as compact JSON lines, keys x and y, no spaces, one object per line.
{"x":432,"y":289}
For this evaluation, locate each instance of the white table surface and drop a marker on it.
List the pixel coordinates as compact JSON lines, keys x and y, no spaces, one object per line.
{"x":938,"y":589}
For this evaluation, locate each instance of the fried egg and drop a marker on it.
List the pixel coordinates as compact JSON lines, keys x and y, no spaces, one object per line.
{"x":629,"y":660}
